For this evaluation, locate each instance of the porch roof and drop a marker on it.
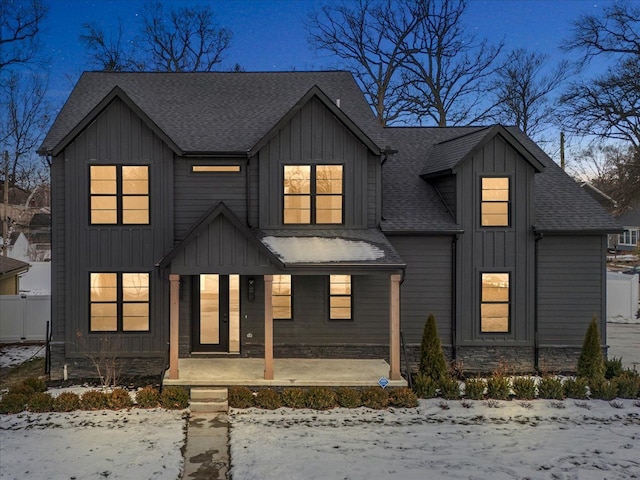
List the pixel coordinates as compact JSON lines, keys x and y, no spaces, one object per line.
{"x":332,"y":248}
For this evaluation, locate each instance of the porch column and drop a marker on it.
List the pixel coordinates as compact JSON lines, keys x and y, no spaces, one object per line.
{"x":268,"y":328}
{"x":394,"y":328}
{"x":174,"y":329}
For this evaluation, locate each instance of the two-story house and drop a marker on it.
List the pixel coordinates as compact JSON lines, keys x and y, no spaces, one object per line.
{"x":270,"y":215}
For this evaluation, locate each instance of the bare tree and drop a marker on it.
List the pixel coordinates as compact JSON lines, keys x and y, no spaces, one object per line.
{"x":449,"y":69}
{"x":108,"y":51}
{"x":523,"y":88}
{"x":20,"y":23}
{"x":370,"y":37}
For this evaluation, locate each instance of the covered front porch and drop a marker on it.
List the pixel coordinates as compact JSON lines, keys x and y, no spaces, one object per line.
{"x":288,"y":372}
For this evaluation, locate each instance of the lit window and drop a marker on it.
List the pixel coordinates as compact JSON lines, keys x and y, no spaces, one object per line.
{"x":340,"y":297}
{"x":215,"y":168}
{"x":281,"y":297}
{"x":495,"y":202}
{"x":119,"y":195}
{"x":494,"y":306}
{"x":119,"y":302}
{"x":313,"y":194}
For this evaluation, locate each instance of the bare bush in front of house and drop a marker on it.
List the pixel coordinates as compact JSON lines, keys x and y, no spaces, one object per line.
{"x":106,"y":360}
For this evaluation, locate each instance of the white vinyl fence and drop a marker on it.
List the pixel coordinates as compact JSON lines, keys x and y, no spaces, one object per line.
{"x":622,"y":297}
{"x":23,"y":318}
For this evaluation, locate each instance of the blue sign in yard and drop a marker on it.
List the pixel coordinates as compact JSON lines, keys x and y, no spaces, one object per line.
{"x":383,"y":382}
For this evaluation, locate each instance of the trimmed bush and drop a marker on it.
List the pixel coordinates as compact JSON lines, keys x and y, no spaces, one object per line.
{"x":575,"y":388}
{"x":40,"y":402}
{"x":602,"y":389}
{"x":591,"y":361}
{"x":321,"y":398}
{"x":21,"y":389}
{"x":403,"y":397}
{"x":241,"y":397}
{"x":375,"y":397}
{"x":94,"y":400}
{"x":449,"y":388}
{"x":524,"y":388}
{"x":424,"y":386}
{"x":66,"y":402}
{"x":37,"y":384}
{"x":294,"y":398}
{"x":550,"y":387}
{"x":627,"y":384}
{"x":474,"y":388}
{"x":613,"y":368}
{"x":432,"y":361}
{"x":269,"y":399}
{"x":148,"y":397}
{"x":13,"y":402}
{"x":119,"y":399}
{"x":174,"y":398}
{"x":498,"y":387}
{"x":348,"y":397}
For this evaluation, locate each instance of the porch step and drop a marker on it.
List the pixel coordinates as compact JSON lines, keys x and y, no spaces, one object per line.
{"x":209,"y":400}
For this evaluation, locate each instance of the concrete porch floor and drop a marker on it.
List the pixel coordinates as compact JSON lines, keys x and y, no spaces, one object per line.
{"x":298,"y":372}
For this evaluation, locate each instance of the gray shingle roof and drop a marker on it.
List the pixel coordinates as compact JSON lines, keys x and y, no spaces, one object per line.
{"x":11,"y":266}
{"x":631,"y":216}
{"x":213,"y":111}
{"x":411,"y":204}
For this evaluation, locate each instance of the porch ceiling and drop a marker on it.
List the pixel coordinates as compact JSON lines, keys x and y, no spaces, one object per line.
{"x":291,"y":372}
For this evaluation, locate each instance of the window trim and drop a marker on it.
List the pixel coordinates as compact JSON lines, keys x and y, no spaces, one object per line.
{"x":508,"y":202}
{"x":509,"y":302}
{"x":313,"y":194}
{"x":120,"y":195}
{"x":290,"y":295}
{"x":350,"y":296}
{"x":120,"y":303}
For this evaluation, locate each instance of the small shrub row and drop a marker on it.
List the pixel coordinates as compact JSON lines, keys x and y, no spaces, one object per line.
{"x":322,"y":398}
{"x":30,"y":395}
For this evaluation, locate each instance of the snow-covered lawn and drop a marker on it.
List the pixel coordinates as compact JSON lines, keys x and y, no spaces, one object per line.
{"x":509,"y":442}
{"x":14,"y":355}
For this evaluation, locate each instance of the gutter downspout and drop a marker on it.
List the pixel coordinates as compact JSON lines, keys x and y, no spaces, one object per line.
{"x":454,"y":267}
{"x":536,"y":346}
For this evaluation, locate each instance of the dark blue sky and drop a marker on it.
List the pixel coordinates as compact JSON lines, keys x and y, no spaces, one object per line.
{"x":270,"y":35}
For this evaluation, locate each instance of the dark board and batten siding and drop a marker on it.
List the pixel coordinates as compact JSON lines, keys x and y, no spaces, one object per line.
{"x":315,"y":136}
{"x":58,"y":260}
{"x":571,"y":290}
{"x":485,"y":249}
{"x":117,"y":137}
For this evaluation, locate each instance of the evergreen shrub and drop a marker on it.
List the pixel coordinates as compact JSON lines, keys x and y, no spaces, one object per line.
{"x":403,"y":397}
{"x":449,"y":388}
{"x":174,"y":398}
{"x":148,"y":397}
{"x":321,"y":398}
{"x":575,"y":388}
{"x":613,"y":368}
{"x":498,"y":387}
{"x":424,"y":386}
{"x":348,"y":397}
{"x":294,"y":398}
{"x":13,"y":402}
{"x":66,"y":402}
{"x":524,"y":388}
{"x":241,"y":397}
{"x":551,"y":387}
{"x":268,"y":399}
{"x":37,"y":384}
{"x":591,"y":361}
{"x":119,"y":398}
{"x":602,"y":389}
{"x":94,"y":400}
{"x":432,"y":361}
{"x":375,"y":398}
{"x":40,"y":402}
{"x":474,"y":388}
{"x":627,"y":384}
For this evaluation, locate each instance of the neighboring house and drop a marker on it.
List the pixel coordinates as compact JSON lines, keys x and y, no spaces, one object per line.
{"x":10,"y":271}
{"x":629,"y":240}
{"x":269,"y":214}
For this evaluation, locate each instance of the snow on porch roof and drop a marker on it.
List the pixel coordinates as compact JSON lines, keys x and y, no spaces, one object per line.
{"x":353,"y":247}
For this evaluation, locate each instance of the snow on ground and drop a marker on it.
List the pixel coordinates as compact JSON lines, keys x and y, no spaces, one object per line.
{"x":125,"y":444}
{"x":13,"y":355}
{"x":510,"y":442}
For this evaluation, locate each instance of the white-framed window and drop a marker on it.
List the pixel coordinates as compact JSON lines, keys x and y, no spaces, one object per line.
{"x":629,"y":237}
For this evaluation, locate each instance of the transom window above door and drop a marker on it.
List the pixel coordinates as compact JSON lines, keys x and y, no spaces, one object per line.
{"x":313,"y":194}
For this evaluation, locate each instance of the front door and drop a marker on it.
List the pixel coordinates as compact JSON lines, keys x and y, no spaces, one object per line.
{"x":211,"y":313}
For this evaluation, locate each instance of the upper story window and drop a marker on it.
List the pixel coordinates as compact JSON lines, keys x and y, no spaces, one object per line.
{"x":313,"y":194}
{"x":119,"y":194}
{"x":281,"y":297}
{"x":494,"y":210}
{"x":215,"y":168}
{"x":340,"y":297}
{"x":119,"y":302}
{"x":495,"y":303}
{"x":629,"y":237}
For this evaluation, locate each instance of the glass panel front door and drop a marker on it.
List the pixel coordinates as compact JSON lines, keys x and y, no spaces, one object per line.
{"x":211,"y":312}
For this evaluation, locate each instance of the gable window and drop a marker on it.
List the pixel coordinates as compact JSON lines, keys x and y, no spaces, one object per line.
{"x":119,"y":195}
{"x":119,"y":302}
{"x":495,"y":202}
{"x":340,"y":297}
{"x":313,"y":194}
{"x":629,"y":237}
{"x":495,"y":303}
{"x":281,"y":297}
